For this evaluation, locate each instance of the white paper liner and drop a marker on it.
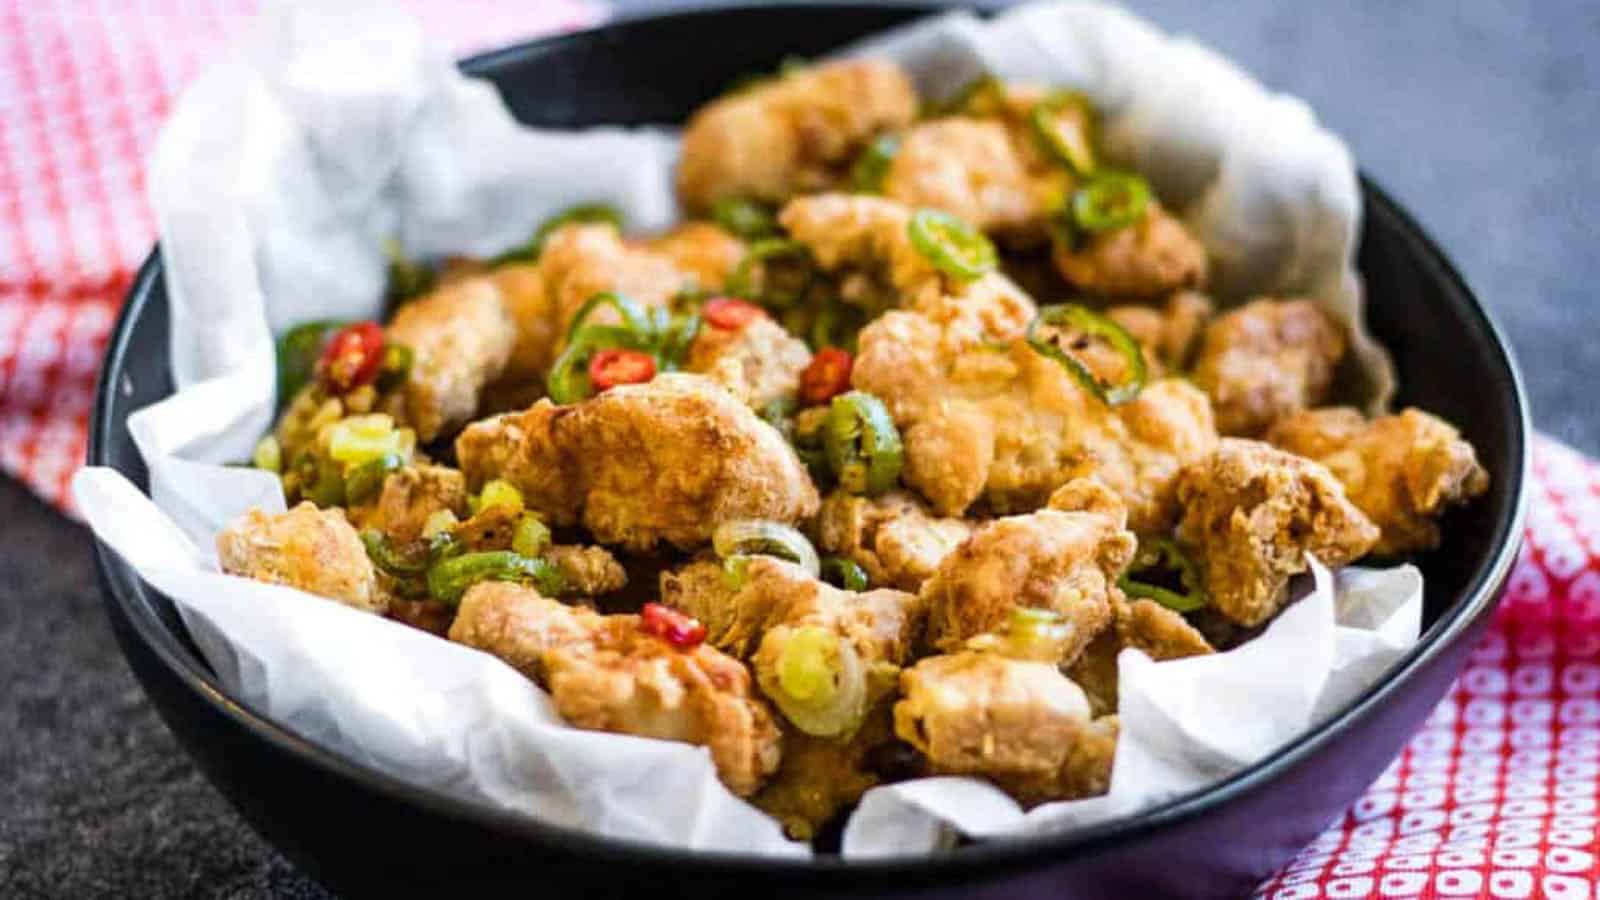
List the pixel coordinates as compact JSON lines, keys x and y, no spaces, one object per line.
{"x":334,"y":127}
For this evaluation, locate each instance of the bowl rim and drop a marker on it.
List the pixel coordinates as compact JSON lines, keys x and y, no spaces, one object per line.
{"x":124,"y":589}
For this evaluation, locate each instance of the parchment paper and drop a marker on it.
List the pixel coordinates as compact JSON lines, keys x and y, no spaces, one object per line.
{"x":333,"y":127}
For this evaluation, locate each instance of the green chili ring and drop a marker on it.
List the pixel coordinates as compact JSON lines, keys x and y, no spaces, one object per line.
{"x":845,"y":573}
{"x":297,"y":354}
{"x":742,"y":282}
{"x":870,"y":169}
{"x":863,"y":446}
{"x":745,"y":219}
{"x":448,"y":579}
{"x":951,"y":245}
{"x":1165,"y":552}
{"x":1110,"y":201}
{"x":391,"y":561}
{"x":1092,"y":324}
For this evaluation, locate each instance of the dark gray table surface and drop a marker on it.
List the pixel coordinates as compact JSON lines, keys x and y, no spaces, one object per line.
{"x":1480,"y":116}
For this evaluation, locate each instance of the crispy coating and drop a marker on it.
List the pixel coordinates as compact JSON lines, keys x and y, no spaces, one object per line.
{"x":605,"y":674}
{"x":758,"y":363}
{"x":1251,"y":515}
{"x":865,"y":241}
{"x":669,"y":460}
{"x":796,"y":133}
{"x":410,"y":495}
{"x":895,"y":537}
{"x":1158,"y":631}
{"x":581,"y":260}
{"x":1067,"y":562}
{"x":461,"y":337}
{"x":517,"y":624}
{"x":1148,"y":259}
{"x":974,"y":170}
{"x":314,"y":550}
{"x":820,"y":777}
{"x":1021,"y":724}
{"x":1169,"y":334}
{"x":1265,"y":360}
{"x":884,"y":625}
{"x":701,"y":250}
{"x":590,"y":571}
{"x":1009,"y":425}
{"x":1402,"y":470}
{"x":532,"y":308}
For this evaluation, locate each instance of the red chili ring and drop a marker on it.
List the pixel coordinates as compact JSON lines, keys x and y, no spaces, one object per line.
{"x":827,"y":376}
{"x":677,"y":629}
{"x":730,"y":313}
{"x":609,"y":368}
{"x":353,"y":357}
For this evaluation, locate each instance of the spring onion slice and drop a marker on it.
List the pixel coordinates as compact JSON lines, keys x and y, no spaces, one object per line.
{"x":1163,"y":555}
{"x":1109,"y":201}
{"x":815,"y":677}
{"x":863,"y":446}
{"x":1089,"y":324}
{"x":762,"y":537}
{"x":951,"y":245}
{"x":1064,"y":127}
{"x":364,"y":481}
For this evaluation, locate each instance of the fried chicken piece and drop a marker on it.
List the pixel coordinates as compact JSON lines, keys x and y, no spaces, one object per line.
{"x":1265,"y":360}
{"x":314,"y":550}
{"x":642,"y":463}
{"x":461,"y":338}
{"x":589,"y":571}
{"x":606,"y":674}
{"x":895,"y":537}
{"x":517,"y":624}
{"x":1168,"y":335}
{"x":1252,"y":513}
{"x":820,"y":777}
{"x":1402,"y":470}
{"x":793,"y":134}
{"x":538,"y":330}
{"x":758,"y":362}
{"x":760,"y":614}
{"x":1020,"y":724}
{"x":974,"y":170}
{"x":702,"y":251}
{"x":865,"y":241}
{"x":1009,"y":425}
{"x":1065,"y":562}
{"x":1160,"y":632}
{"x":1150,"y":258}
{"x":410,"y":495}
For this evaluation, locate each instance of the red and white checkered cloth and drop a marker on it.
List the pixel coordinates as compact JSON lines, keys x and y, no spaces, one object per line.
{"x":1495,"y":797}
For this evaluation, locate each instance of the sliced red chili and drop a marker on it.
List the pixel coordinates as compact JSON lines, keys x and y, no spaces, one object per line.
{"x":826,"y":377}
{"x":353,"y":358}
{"x":609,"y":368}
{"x":677,"y":629}
{"x":730,"y":313}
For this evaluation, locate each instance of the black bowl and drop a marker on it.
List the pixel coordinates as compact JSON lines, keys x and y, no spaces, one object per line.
{"x":361,"y":831}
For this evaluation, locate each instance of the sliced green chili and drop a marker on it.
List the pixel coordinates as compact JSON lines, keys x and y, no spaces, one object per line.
{"x":872,"y":166}
{"x":845,"y":573}
{"x":1060,"y":136}
{"x":448,"y":579}
{"x":298,"y":351}
{"x":745,"y":219}
{"x":951,"y":245}
{"x":862,"y":445}
{"x":1111,"y":200}
{"x":364,"y":481}
{"x":1163,"y":557}
{"x":388,"y":558}
{"x":583,"y":212}
{"x":1088,"y":325}
{"x":634,"y":316}
{"x":786,"y":273}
